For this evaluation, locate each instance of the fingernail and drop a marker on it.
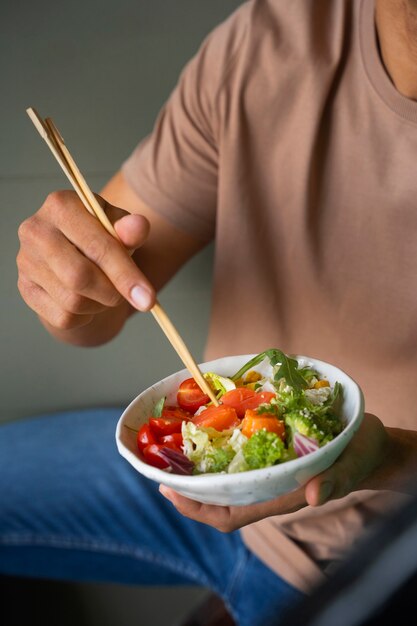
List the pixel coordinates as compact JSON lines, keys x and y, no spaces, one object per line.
{"x":141,"y":298}
{"x":326,"y":490}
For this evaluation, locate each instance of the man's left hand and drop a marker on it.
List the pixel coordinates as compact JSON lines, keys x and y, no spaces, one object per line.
{"x":364,"y":454}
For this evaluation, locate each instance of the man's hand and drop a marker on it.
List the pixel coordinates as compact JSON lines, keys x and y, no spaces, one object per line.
{"x":79,"y":279}
{"x":228,"y":518}
{"x":353,"y":470}
{"x":71,"y":270}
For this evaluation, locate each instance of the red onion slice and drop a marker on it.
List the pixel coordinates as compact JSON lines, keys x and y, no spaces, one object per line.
{"x":304,"y":445}
{"x":178,"y":462}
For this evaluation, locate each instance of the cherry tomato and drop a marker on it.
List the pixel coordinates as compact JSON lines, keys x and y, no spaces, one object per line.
{"x":218,"y":417}
{"x":190,"y":397}
{"x":252,"y":422}
{"x":176,"y":411}
{"x":175,"y":438}
{"x":152,"y":454}
{"x":145,"y":437}
{"x":161,"y":426}
{"x":243,"y":398}
{"x":153,"y":457}
{"x":264,"y":397}
{"x":237,"y":398}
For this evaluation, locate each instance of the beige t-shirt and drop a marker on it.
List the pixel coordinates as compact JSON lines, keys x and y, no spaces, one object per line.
{"x":286,"y":141}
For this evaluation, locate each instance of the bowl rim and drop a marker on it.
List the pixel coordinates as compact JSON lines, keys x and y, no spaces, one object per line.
{"x":185,"y":481}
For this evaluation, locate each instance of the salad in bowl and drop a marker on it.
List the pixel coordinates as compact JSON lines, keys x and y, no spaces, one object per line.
{"x":279,"y":421}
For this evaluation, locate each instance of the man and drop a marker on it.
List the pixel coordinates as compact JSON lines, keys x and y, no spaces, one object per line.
{"x":290,"y":139}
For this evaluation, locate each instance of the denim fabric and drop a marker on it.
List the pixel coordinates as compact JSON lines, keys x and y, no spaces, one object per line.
{"x":72,"y":509}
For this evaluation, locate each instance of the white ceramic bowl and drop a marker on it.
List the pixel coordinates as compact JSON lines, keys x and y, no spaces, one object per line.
{"x":253,"y":485}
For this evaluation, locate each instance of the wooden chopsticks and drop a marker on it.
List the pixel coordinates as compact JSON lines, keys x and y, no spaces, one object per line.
{"x":56,"y":144}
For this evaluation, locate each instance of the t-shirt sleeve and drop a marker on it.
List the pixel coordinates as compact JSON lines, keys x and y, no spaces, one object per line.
{"x":175,"y":169}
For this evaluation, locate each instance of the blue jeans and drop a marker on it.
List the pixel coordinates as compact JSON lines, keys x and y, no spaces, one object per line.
{"x":72,"y":509}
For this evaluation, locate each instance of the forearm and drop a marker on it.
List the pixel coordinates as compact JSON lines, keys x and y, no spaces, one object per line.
{"x":101,"y":329}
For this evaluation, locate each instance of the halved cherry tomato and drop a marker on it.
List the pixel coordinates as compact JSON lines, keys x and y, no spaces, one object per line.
{"x":190,"y":397}
{"x":145,"y":437}
{"x":176,"y":411}
{"x":175,"y":438}
{"x":161,"y":426}
{"x":218,"y":417}
{"x":252,"y":422}
{"x":243,"y":398}
{"x":152,"y":455}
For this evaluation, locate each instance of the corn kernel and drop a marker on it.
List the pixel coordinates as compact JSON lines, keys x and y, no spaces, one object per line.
{"x":252,"y":377}
{"x":321,"y":383}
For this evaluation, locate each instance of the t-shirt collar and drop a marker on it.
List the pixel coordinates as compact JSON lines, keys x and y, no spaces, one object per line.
{"x":375,"y":70}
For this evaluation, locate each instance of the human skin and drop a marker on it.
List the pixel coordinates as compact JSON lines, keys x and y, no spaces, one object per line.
{"x":79,"y":280}
{"x":377,"y":458}
{"x":84,"y":285}
{"x":396,"y":23}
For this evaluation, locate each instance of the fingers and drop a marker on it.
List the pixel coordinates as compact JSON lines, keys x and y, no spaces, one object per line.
{"x":39,"y":300}
{"x":229,"y":518}
{"x":217,"y":516}
{"x":334,"y":483}
{"x":187,"y":507}
{"x":69,"y":266}
{"x":133,"y":230}
{"x":97,"y":245}
{"x":56,"y":269}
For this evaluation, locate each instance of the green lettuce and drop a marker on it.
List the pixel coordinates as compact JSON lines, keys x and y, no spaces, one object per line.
{"x":209,"y":449}
{"x":220,"y":384}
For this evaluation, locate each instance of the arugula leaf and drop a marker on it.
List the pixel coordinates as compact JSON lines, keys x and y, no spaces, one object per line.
{"x":288,"y":368}
{"x":158,"y":408}
{"x":336,"y":396}
{"x":337,"y":393}
{"x":249,"y":365}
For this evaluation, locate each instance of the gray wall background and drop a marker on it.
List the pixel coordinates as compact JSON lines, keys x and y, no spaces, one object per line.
{"x":101,"y":69}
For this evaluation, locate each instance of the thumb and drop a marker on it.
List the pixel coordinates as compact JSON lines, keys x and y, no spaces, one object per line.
{"x":364,"y":454}
{"x":132,"y":229}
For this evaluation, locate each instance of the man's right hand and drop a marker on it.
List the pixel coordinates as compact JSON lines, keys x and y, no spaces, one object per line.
{"x":71,"y":270}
